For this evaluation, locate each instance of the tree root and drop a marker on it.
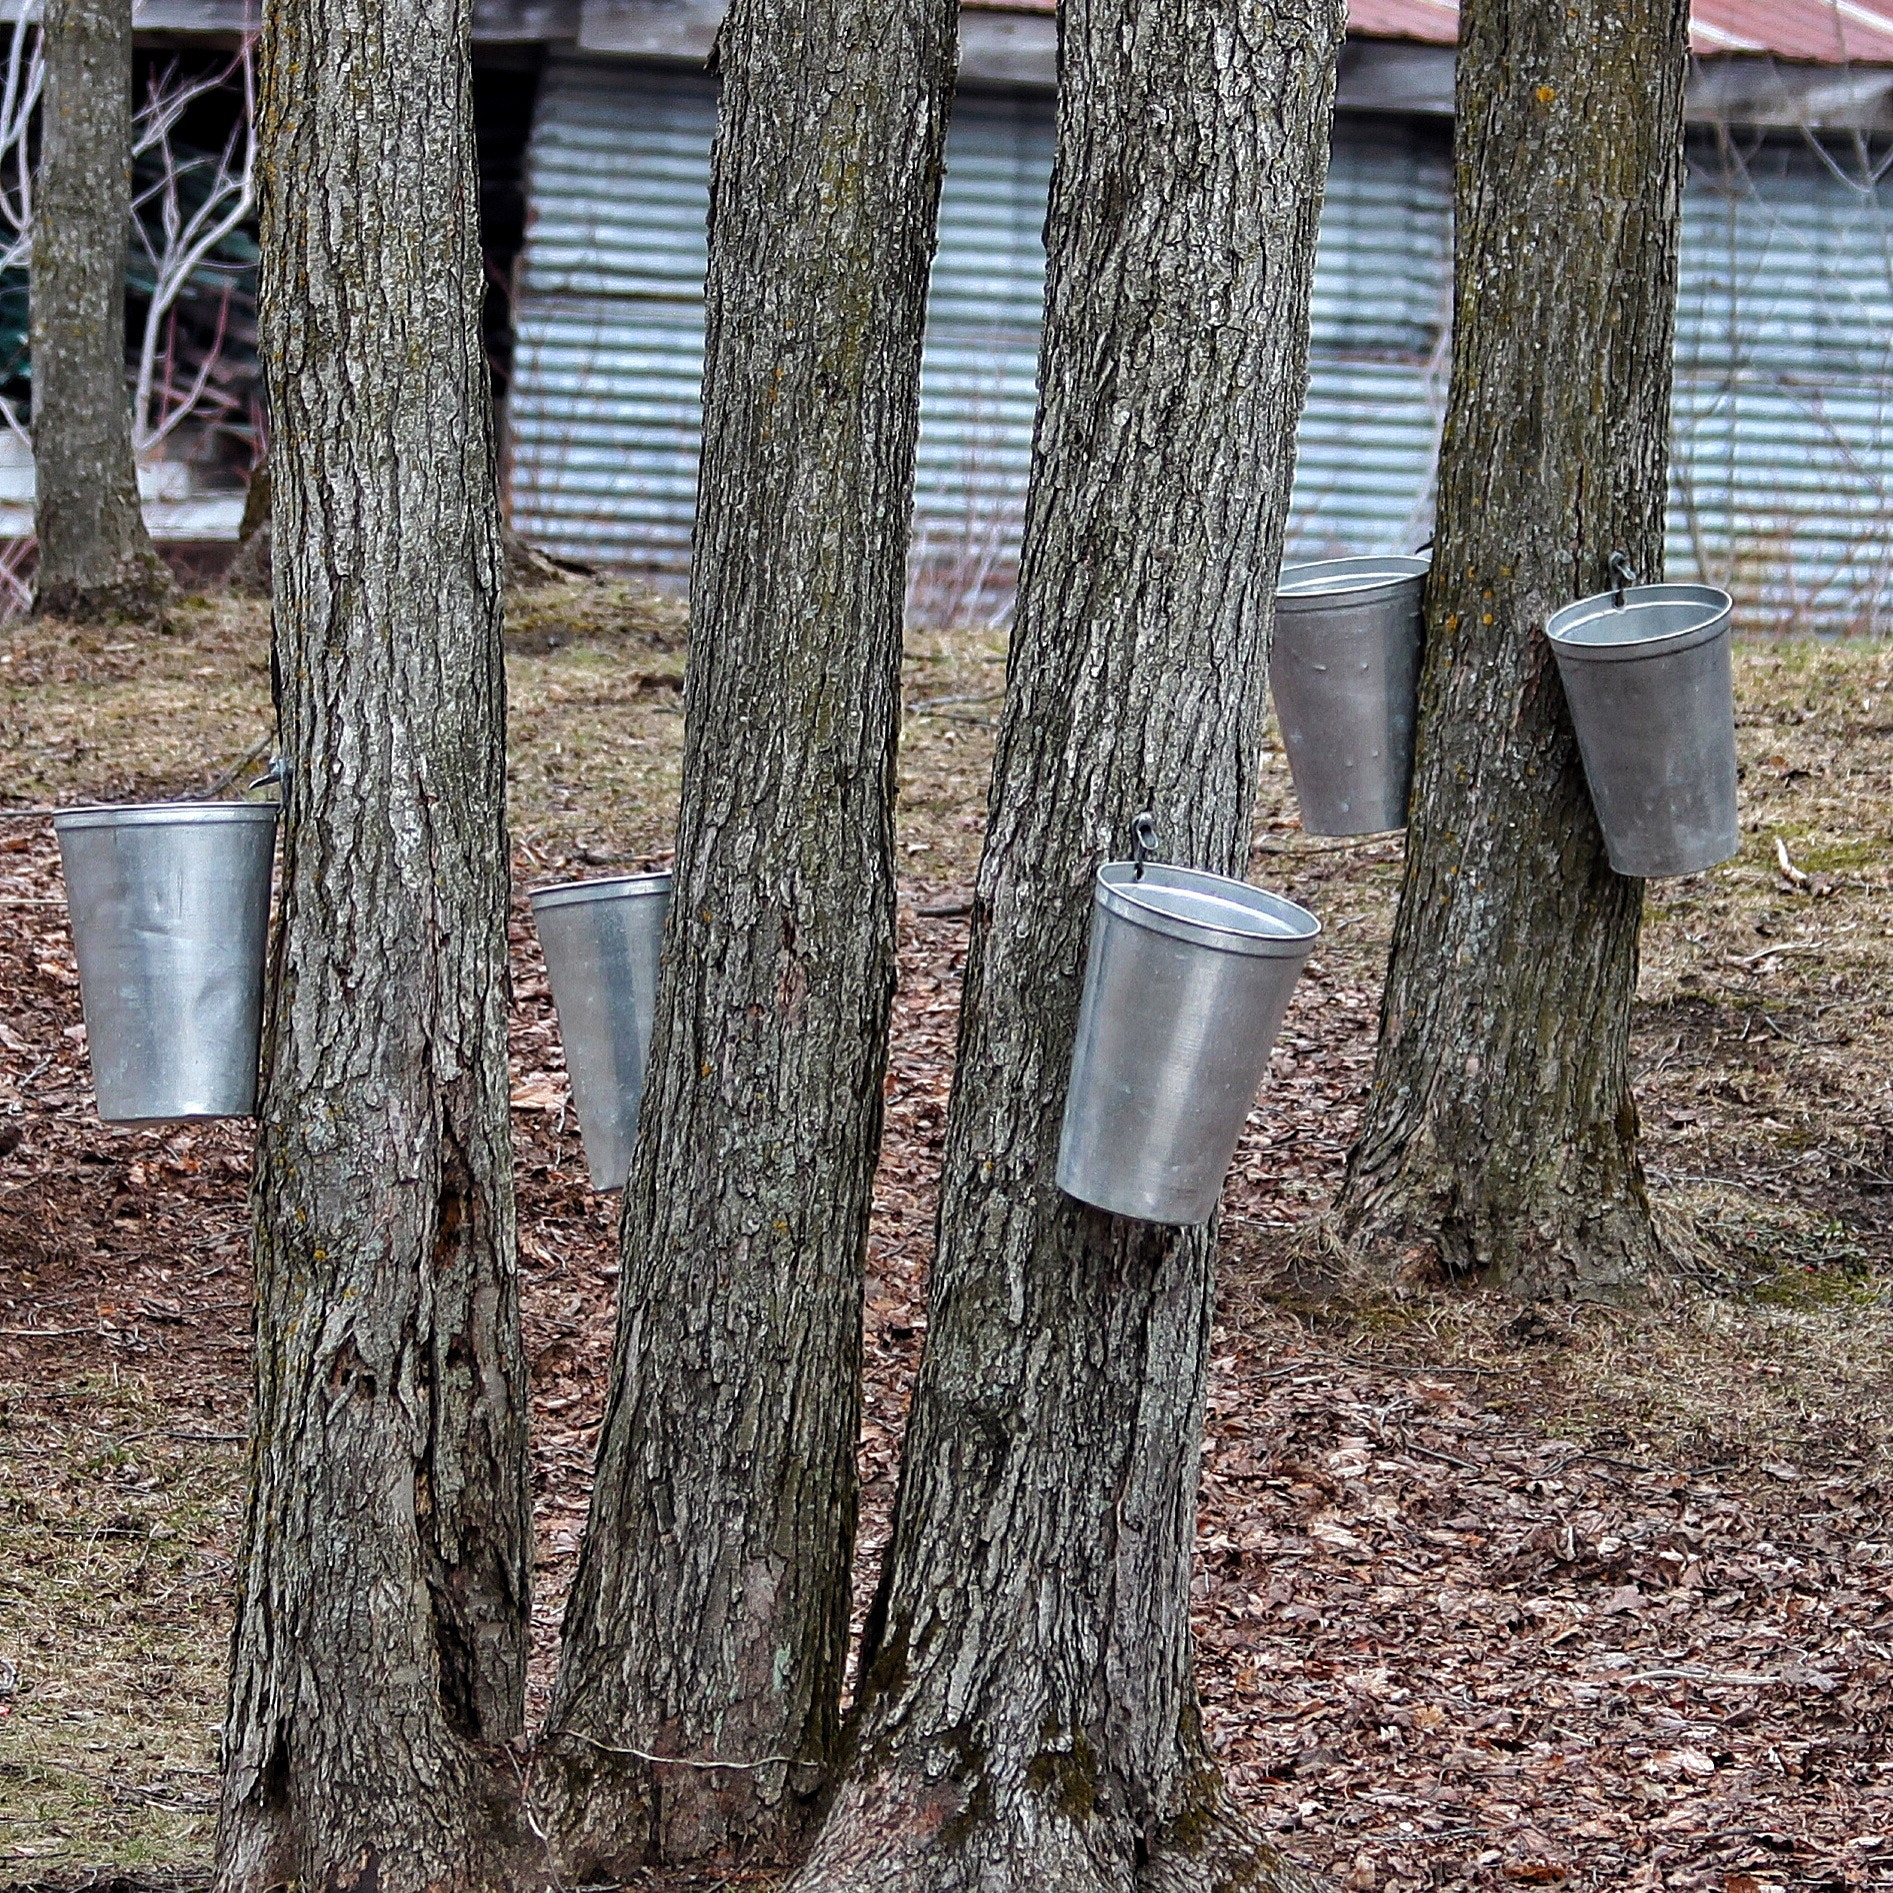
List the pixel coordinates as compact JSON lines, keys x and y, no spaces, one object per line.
{"x":592,"y":1807}
{"x":1218,"y":1850}
{"x":1418,"y":1220}
{"x":137,"y":593}
{"x":461,"y":1836}
{"x":912,"y":1836}
{"x":918,"y":1837}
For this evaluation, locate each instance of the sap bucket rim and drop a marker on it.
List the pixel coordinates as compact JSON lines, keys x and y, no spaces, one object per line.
{"x":162,"y":814}
{"x":1341,"y":584}
{"x":604,"y":887}
{"x":1712,"y":602}
{"x":1122,"y":893}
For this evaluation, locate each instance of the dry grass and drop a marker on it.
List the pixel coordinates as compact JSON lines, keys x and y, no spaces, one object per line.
{"x":89,"y":714}
{"x":117,"y":1520}
{"x":1730,"y":1380}
{"x":1764,"y":1056}
{"x":1766,"y":1081}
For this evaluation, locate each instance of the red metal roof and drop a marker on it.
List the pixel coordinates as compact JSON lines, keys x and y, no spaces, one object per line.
{"x":1435,"y":21}
{"x":1830,"y":32}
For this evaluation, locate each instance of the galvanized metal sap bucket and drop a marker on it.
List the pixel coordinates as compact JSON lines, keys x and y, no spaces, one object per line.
{"x":169,"y":905}
{"x":602,"y":940}
{"x":1186,"y":983}
{"x":1345,"y":670}
{"x":1646,"y":671}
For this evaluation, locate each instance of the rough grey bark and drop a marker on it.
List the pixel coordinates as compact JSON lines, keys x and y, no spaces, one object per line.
{"x":1502,"y":1132}
{"x":96,"y":560}
{"x":709,"y":1618}
{"x":379,"y":1655}
{"x":1027,"y":1709}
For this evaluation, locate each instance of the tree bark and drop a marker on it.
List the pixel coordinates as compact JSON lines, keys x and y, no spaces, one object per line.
{"x":379,"y":1657}
{"x":1026,"y":1714}
{"x":709,"y":1619}
{"x":1502,"y":1132}
{"x":96,"y":560}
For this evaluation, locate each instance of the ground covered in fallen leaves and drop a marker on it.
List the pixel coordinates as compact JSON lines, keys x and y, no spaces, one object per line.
{"x":1583,"y":1599}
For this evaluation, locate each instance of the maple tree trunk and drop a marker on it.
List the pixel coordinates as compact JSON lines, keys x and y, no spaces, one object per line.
{"x":1502,"y":1132}
{"x":1027,"y":1714}
{"x":709,"y":1618}
{"x":379,"y":1655}
{"x":96,"y":560}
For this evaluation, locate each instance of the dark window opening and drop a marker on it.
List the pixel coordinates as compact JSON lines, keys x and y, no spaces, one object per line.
{"x":505,"y":90}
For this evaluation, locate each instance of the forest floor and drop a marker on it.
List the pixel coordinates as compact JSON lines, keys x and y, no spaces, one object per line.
{"x":1580,"y":1598}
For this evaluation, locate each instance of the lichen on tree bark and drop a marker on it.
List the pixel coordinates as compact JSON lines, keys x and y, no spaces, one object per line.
{"x":96,"y":559}
{"x":1502,"y":1134}
{"x":709,"y":1617}
{"x":1027,"y":1711}
{"x":379,"y":1656}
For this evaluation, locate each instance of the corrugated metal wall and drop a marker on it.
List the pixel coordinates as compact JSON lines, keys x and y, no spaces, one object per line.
{"x":1376,"y":371}
{"x":608,"y":356}
{"x":604,"y":413}
{"x":1784,"y":448}
{"x":979,"y":370}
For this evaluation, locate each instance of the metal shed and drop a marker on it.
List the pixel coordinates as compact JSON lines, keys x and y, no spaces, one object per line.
{"x":1783,"y":462}
{"x":1782,"y":439}
{"x":609,"y":325}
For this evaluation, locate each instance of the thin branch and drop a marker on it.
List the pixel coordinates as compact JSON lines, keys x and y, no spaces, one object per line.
{"x":188,"y":241}
{"x":672,"y":1761}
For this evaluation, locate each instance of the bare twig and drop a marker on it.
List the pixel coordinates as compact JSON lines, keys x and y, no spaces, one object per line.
{"x":1768,"y":953}
{"x":522,"y":1773}
{"x":1330,"y":847}
{"x":254,"y":754}
{"x":1728,"y":1679}
{"x":670,"y":1761}
{"x":186,"y":239}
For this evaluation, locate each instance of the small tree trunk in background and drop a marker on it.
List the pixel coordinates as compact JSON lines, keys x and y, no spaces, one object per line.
{"x":96,"y":560}
{"x":1502,"y":1131}
{"x":380,"y":1645}
{"x":1028,"y":1716}
{"x":709,"y":1619}
{"x":249,"y":572}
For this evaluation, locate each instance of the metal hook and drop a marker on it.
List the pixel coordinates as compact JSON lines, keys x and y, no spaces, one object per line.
{"x":1622,"y":574}
{"x":1144,"y":841}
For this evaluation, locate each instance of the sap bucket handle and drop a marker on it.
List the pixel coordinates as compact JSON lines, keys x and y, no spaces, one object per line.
{"x":1145,"y":841}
